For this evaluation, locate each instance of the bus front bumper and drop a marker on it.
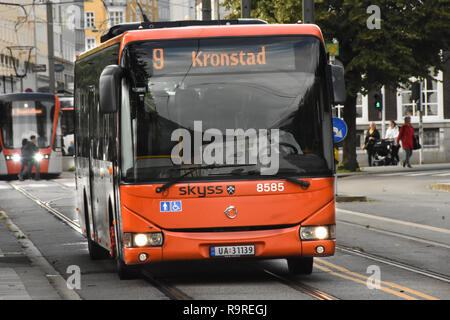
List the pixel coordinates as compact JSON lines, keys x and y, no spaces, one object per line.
{"x":273,"y":243}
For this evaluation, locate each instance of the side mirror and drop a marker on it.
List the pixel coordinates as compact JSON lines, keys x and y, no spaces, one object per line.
{"x":337,"y":76}
{"x":109,"y":94}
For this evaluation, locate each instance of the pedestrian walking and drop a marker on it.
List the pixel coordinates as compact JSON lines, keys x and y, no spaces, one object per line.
{"x":30,"y":150}
{"x":371,"y":137}
{"x":26,"y":159}
{"x":406,"y":136}
{"x":391,"y":136}
{"x":71,"y":149}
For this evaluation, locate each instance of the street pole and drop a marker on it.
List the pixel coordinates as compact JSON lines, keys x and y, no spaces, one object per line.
{"x":216,"y":10}
{"x":308,"y":11}
{"x":421,"y":125}
{"x":206,"y":10}
{"x":383,"y":112}
{"x":245,"y":8}
{"x":51,"y":57}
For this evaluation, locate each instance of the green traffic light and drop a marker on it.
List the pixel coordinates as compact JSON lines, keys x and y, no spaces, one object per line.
{"x":378,"y":105}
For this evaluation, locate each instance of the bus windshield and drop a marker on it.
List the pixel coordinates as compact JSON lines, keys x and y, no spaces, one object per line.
{"x":21,"y":119}
{"x":224,"y":101}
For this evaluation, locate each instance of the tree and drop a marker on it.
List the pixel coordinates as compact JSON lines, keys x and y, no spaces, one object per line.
{"x":410,"y":42}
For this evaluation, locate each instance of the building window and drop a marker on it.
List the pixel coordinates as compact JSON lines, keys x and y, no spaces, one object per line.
{"x":90,"y":20}
{"x":429,"y":100}
{"x":360,"y":137}
{"x":90,"y":43}
{"x":339,"y":109}
{"x":359,"y":105}
{"x":430,"y":137}
{"x":116,"y":17}
{"x":429,"y":97}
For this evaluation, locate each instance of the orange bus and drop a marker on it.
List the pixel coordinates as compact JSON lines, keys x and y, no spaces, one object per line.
{"x":155,"y":102}
{"x":21,"y":116}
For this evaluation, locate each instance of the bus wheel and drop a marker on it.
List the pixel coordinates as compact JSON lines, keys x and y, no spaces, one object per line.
{"x":303,"y":265}
{"x":96,"y":252}
{"x":127,"y":272}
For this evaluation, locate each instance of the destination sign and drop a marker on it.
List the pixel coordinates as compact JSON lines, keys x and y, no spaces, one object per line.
{"x":271,"y":57}
{"x":25,"y":111}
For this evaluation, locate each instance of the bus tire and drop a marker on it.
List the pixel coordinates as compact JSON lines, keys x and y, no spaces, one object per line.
{"x":96,"y":252}
{"x":126,"y":272}
{"x":302,"y":265}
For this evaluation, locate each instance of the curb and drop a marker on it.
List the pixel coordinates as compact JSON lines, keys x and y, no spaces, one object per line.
{"x":36,"y":257}
{"x":345,"y":198}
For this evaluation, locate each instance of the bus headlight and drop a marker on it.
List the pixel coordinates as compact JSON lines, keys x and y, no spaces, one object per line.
{"x":38,"y":157}
{"x":317,"y":232}
{"x":153,"y":239}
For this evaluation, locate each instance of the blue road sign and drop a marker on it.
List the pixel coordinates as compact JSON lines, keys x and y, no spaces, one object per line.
{"x":339,"y":130}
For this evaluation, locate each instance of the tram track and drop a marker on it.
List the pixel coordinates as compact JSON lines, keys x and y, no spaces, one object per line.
{"x":174,"y":293}
{"x":397,"y":264}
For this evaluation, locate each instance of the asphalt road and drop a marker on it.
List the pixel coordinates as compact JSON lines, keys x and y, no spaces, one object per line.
{"x":401,"y":237}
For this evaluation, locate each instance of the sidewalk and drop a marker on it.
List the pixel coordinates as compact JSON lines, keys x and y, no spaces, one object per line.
{"x":20,"y":278}
{"x":392,"y":169}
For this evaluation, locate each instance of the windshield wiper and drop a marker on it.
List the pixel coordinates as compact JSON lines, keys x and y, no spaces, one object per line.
{"x":171,"y":182}
{"x":302,"y":183}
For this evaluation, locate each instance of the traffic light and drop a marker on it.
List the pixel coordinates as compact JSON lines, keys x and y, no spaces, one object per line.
{"x":415,"y":91}
{"x":378,"y":102}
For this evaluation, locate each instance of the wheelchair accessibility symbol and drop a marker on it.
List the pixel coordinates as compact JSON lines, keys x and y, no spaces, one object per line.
{"x":175,"y":206}
{"x":170,"y":206}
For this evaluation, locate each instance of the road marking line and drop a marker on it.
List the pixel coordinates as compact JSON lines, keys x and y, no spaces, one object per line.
{"x":387,"y":283}
{"x":442,"y":174}
{"x":406,"y":223}
{"x":396,"y":264}
{"x":399,"y":294}
{"x":391,"y":174}
{"x":422,"y":174}
{"x":395,"y":234}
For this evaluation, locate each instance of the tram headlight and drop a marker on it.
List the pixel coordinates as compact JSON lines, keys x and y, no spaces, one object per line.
{"x":16,"y":157}
{"x":153,"y":239}
{"x":38,"y":157}
{"x":317,"y":232}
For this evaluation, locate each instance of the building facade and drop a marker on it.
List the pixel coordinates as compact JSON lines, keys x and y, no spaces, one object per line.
{"x":100,"y":15}
{"x":27,"y":27}
{"x":398,"y":104}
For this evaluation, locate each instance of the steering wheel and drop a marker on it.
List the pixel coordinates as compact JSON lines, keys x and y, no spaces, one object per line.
{"x":290,"y":146}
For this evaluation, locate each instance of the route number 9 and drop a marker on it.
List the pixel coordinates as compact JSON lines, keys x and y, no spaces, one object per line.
{"x":270,"y":187}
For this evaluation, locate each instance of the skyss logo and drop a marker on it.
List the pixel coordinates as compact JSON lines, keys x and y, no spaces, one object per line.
{"x":201,"y":191}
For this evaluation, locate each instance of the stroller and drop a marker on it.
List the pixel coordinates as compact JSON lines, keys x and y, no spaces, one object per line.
{"x":384,"y":153}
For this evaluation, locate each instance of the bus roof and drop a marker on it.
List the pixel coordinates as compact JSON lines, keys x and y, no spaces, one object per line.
{"x":210,"y":32}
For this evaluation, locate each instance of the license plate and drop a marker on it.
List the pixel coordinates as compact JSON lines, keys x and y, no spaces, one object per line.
{"x":232,"y":251}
